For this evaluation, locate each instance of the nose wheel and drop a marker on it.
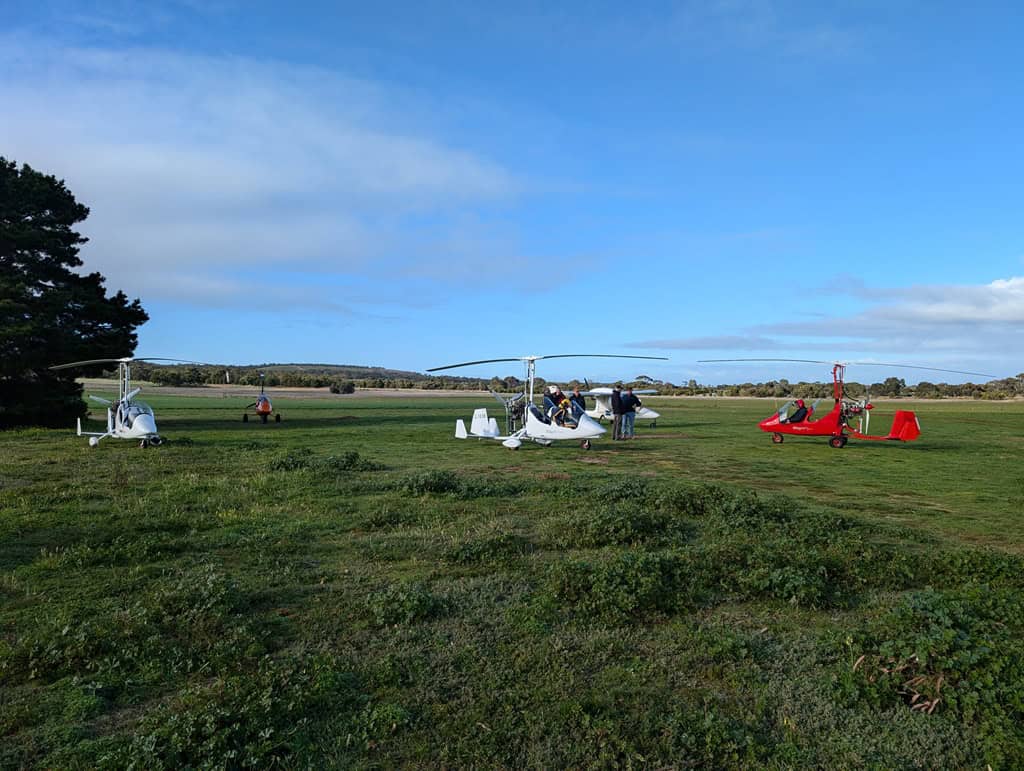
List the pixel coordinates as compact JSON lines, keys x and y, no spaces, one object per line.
{"x":838,"y":442}
{"x":777,"y":438}
{"x":585,"y":444}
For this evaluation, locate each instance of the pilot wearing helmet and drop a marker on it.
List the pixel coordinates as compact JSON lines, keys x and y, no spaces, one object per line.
{"x":800,"y":414}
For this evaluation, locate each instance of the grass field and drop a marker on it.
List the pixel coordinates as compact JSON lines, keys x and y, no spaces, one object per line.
{"x":354,"y":587}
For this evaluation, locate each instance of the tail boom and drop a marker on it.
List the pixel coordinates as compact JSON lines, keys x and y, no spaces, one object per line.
{"x":905,"y":428}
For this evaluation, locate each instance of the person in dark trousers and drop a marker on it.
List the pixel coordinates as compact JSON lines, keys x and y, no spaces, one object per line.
{"x":799,"y":415}
{"x":616,"y":412}
{"x":579,"y":402}
{"x":629,"y":404}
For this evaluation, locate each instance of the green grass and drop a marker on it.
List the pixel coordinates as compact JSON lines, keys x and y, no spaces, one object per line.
{"x":354,"y":587}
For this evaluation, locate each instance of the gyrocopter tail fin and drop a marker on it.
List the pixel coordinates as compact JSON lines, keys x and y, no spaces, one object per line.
{"x":460,"y":429}
{"x":905,"y":426}
{"x":482,"y":425}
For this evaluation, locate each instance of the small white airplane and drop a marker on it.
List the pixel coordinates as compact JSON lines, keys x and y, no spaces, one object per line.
{"x":127,"y":418}
{"x":534,"y":425}
{"x":603,"y":407}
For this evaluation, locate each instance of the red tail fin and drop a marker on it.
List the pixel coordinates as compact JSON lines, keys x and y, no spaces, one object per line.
{"x":905,"y":426}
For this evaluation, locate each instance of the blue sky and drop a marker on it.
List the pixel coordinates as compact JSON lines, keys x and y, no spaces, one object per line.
{"x":409,"y":185}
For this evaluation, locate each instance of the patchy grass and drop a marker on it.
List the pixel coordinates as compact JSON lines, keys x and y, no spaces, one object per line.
{"x":372,"y":592}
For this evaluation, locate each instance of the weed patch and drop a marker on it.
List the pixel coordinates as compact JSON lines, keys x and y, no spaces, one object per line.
{"x":622,"y":585}
{"x":503,"y":548}
{"x":295,"y":460}
{"x":624,"y":523}
{"x":256,"y":719}
{"x":404,"y":603}
{"x":960,"y":651}
{"x":450,"y":483}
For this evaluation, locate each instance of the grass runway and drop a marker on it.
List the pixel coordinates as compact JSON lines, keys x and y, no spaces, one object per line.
{"x":353,"y":587}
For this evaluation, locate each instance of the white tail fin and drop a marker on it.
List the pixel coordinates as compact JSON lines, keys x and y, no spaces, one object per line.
{"x":460,"y":429}
{"x":481,"y":425}
{"x":492,"y":427}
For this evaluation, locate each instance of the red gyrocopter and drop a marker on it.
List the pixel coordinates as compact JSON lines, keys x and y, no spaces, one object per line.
{"x":262,"y":405}
{"x":836,"y":425}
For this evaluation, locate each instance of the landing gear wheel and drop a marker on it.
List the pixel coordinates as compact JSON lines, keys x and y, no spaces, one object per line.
{"x":585,"y":444}
{"x":245,"y":417}
{"x":144,"y":444}
{"x":837,"y":442}
{"x":777,"y":438}
{"x":156,"y":441}
{"x":263,"y":419}
{"x":654,"y":424}
{"x":277,"y":418}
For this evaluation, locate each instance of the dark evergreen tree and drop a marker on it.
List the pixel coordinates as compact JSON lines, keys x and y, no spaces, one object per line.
{"x":49,"y":314}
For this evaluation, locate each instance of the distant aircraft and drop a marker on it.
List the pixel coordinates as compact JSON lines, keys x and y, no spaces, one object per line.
{"x":263,"y":406}
{"x":603,"y":409}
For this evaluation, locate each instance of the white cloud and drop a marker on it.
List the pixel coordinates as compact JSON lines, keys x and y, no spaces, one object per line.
{"x":974,"y":327}
{"x":195,"y":166}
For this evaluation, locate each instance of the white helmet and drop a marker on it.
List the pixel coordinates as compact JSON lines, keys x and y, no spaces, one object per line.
{"x":552,"y":389}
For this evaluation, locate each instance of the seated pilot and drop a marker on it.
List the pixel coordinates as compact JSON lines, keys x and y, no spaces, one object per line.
{"x":799,"y":415}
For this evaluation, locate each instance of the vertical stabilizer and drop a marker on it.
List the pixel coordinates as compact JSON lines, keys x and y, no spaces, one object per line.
{"x":481,"y":425}
{"x":905,"y":426}
{"x":79,"y":427}
{"x":460,"y":429}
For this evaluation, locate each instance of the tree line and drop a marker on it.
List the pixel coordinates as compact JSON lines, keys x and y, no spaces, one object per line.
{"x":294,"y":376}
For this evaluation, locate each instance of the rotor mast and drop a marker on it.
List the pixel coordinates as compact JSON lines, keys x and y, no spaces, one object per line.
{"x":125,"y":376}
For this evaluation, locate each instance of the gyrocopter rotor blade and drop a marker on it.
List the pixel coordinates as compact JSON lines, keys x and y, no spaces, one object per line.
{"x":471,"y":363}
{"x":101,"y":400}
{"x":859,"y":364}
{"x":553,"y":356}
{"x":123,"y":360}
{"x":132,"y":394}
{"x":598,"y":356}
{"x":799,"y":361}
{"x":915,"y":366}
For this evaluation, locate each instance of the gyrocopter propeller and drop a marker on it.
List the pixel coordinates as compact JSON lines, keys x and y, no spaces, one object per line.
{"x":524,"y":420}
{"x":836,"y":425}
{"x":127,"y":418}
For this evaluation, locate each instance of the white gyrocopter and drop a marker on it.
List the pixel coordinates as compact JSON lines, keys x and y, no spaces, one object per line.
{"x":127,"y":418}
{"x":524,"y":421}
{"x":603,"y":404}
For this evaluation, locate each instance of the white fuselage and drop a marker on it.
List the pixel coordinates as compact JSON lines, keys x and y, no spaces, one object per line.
{"x":534,"y":429}
{"x":603,"y":408}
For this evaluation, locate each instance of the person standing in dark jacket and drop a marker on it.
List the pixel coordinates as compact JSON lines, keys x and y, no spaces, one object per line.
{"x":579,"y":402}
{"x":629,"y":405}
{"x":616,"y":412}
